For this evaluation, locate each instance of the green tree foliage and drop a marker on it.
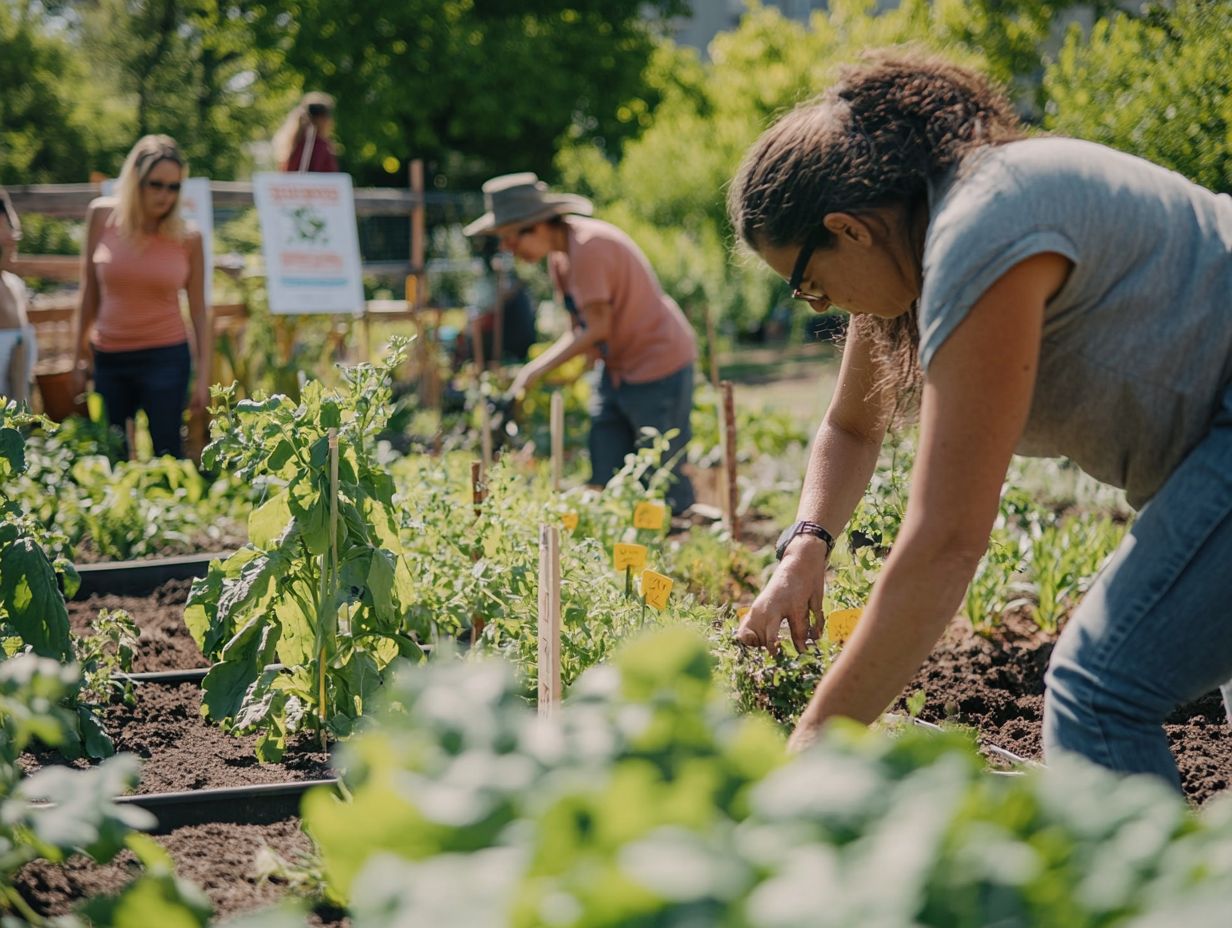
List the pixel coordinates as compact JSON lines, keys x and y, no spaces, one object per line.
{"x":187,"y":68}
{"x":475,"y":88}
{"x":1159,"y":87}
{"x":43,"y":137}
{"x":667,"y":190}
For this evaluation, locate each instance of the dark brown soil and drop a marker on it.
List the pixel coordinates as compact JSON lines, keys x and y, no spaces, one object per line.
{"x":165,"y":643}
{"x":179,"y":749}
{"x":220,"y":859}
{"x":996,"y":685}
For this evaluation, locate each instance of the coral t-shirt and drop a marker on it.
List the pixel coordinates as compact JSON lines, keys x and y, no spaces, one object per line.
{"x":139,"y":292}
{"x":649,"y":337}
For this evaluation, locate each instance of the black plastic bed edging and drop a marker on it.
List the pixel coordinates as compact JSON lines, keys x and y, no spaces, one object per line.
{"x":260,"y":804}
{"x":136,"y":578}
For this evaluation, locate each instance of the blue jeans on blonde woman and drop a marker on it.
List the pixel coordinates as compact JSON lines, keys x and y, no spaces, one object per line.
{"x":1155,"y":630}
{"x":153,"y":379}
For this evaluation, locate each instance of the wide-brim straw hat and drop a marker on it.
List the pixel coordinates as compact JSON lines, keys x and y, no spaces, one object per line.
{"x":522,"y":199}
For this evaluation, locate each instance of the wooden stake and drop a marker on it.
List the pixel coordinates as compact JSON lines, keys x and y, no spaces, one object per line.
{"x":549,"y":619}
{"x":478,"y":494}
{"x":712,"y":346}
{"x":558,"y":439}
{"x":712,"y":343}
{"x":729,"y":457}
{"x":477,"y":346}
{"x":485,"y":433}
{"x":478,"y":490}
{"x":328,"y":621}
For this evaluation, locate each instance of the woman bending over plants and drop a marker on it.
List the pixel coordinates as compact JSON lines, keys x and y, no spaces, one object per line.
{"x":1042,"y":296}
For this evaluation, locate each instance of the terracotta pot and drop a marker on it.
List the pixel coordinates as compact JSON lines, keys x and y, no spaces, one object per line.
{"x":58,"y":390}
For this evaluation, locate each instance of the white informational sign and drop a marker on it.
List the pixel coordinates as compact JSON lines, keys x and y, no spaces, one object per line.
{"x":310,"y":242}
{"x":197,"y":209}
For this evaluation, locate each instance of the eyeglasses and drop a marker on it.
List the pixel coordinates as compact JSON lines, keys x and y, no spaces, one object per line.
{"x":797,"y":272}
{"x":159,"y":185}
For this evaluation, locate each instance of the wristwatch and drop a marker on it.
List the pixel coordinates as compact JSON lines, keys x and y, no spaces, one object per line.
{"x":803,"y":527}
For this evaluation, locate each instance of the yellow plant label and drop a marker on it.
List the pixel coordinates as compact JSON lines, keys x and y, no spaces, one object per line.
{"x":627,"y":556}
{"x":649,"y":515}
{"x":841,"y":623}
{"x":569,"y":520}
{"x":741,"y":612}
{"x":656,"y":588}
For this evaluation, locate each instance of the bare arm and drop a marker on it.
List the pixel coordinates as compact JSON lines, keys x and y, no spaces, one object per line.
{"x":842,"y":459}
{"x":597,"y":319}
{"x":199,"y":312}
{"x":976,"y":398}
{"x":88,"y":295}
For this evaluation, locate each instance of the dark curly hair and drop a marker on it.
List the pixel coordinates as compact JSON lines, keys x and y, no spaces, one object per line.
{"x":888,"y":126}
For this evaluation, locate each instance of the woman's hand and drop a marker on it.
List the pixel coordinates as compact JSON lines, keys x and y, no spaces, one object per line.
{"x":794,"y":593}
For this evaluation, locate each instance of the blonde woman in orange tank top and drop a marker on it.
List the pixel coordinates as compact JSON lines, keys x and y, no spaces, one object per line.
{"x":137,"y":260}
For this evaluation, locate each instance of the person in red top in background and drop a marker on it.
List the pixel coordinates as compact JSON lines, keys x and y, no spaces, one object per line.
{"x":302,"y":143}
{"x":138,"y":258}
{"x":620,"y":313}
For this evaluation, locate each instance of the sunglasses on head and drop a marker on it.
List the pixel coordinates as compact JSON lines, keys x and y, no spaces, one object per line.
{"x":159,"y":185}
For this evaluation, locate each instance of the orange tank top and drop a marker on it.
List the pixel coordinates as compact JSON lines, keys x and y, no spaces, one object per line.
{"x":139,"y":292}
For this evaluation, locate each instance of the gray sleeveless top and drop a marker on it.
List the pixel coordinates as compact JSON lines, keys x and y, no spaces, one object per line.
{"x":1137,"y":345}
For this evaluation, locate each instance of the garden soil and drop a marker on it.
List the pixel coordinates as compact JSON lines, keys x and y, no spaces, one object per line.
{"x":996,"y":685}
{"x":181,"y":751}
{"x":220,"y":859}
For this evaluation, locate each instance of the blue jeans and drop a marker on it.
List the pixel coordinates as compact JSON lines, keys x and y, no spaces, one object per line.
{"x":618,"y":414}
{"x":1155,"y":630}
{"x":153,"y":379}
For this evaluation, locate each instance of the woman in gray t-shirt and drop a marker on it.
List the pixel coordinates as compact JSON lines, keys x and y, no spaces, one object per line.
{"x":1043,"y":296}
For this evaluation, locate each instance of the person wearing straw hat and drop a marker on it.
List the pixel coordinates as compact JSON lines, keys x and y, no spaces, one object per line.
{"x":619,"y":313}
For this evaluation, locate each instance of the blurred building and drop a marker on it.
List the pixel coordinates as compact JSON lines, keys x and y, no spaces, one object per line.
{"x":710,"y":17}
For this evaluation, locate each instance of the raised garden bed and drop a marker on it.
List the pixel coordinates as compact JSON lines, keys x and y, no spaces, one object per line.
{"x":217,"y":807}
{"x":137,"y":578}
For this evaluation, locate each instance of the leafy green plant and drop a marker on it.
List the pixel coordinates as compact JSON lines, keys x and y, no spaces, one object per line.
{"x":991,"y":591}
{"x":58,"y":812}
{"x":323,"y":586}
{"x":646,"y":800}
{"x":33,"y":615}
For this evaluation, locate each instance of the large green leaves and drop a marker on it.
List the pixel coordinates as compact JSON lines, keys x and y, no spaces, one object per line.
{"x":30,"y":596}
{"x":328,"y":599}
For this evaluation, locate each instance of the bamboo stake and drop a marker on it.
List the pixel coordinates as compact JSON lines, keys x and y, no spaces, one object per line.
{"x":478,"y":495}
{"x":485,"y":433}
{"x":549,"y":619}
{"x":712,"y":346}
{"x":729,"y":458}
{"x":329,"y":582}
{"x":558,"y":439}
